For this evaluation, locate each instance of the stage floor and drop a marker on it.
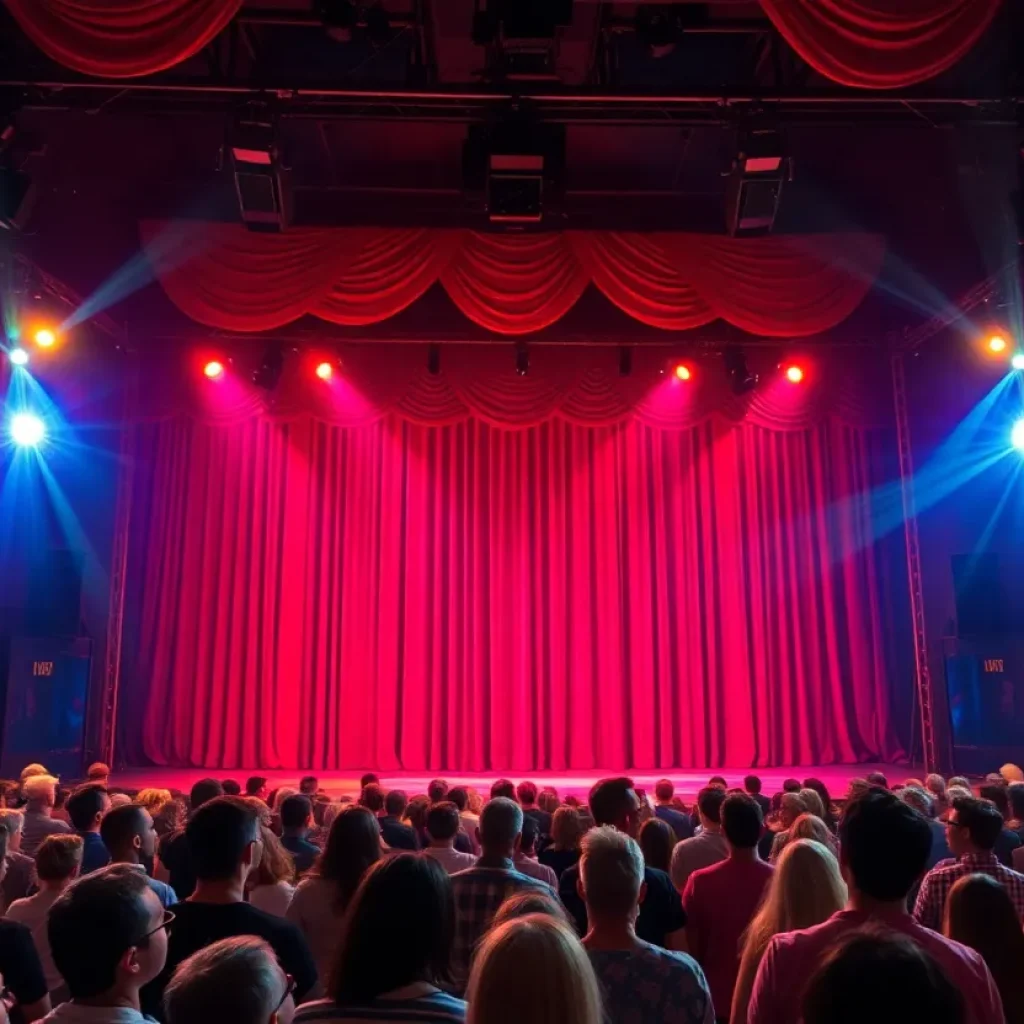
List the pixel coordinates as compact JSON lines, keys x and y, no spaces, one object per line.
{"x":687,"y":783}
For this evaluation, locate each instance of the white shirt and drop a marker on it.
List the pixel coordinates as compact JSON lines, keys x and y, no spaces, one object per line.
{"x":450,"y":859}
{"x":273,"y":899}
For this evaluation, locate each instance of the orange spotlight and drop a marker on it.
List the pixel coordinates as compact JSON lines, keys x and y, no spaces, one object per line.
{"x":214,"y":370}
{"x":996,"y":344}
{"x":324,"y":371}
{"x":45,"y":338}
{"x":794,"y":373}
{"x":682,"y":372}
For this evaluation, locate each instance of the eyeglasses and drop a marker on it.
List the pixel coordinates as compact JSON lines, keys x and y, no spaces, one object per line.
{"x":165,"y":923}
{"x":289,"y":988}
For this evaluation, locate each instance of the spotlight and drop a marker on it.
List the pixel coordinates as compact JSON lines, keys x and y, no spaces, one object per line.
{"x":794,"y":373}
{"x":45,"y":338}
{"x":522,"y":360}
{"x":1017,"y":362}
{"x":27,"y":430}
{"x":268,"y":374}
{"x":214,"y":370}
{"x":325,"y":371}
{"x":1017,"y":435}
{"x":682,"y":372}
{"x":996,"y":344}
{"x":740,"y":377}
{"x":18,"y":356}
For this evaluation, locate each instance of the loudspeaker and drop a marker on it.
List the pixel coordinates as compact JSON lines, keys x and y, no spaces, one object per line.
{"x":982,"y":603}
{"x":53,"y":602}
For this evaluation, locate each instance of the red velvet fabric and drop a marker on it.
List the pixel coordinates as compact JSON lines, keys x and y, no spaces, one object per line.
{"x":122,"y":38}
{"x":487,"y":572}
{"x":786,"y":286}
{"x":881,"y":44}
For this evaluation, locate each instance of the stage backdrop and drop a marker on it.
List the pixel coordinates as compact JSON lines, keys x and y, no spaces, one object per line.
{"x":480,"y":571}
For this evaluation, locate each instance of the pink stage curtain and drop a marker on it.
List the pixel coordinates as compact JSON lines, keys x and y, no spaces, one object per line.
{"x":881,"y":44}
{"x":786,"y":286}
{"x":505,"y":574}
{"x":122,"y":38}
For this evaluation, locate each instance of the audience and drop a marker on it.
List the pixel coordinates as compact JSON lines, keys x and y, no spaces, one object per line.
{"x":752,"y":787}
{"x":637,"y":979}
{"x":504,"y":788}
{"x":125,"y":946}
{"x":936,"y":787}
{"x":883,"y":845}
{"x":320,"y":900}
{"x":416,"y":819}
{"x":174,"y":859}
{"x":564,"y":851}
{"x":393,"y":959}
{"x":396,"y":834}
{"x":58,"y":863}
{"x":154,"y":800}
{"x":527,"y":794}
{"x":657,"y":841}
{"x":468,"y":821}
{"x":256,"y":785}
{"x":86,"y":807}
{"x":309,"y":785}
{"x":791,"y":806}
{"x":231,"y":787}
{"x":442,"y":828}
{"x":237,"y":980}
{"x":224,"y":844}
{"x":170,"y":818}
{"x":40,"y":793}
{"x":1007,"y":840}
{"x":666,"y":810}
{"x":272,"y":885}
{"x":296,"y":820}
{"x":98,"y":773}
{"x":18,"y":874}
{"x":526,"y":860}
{"x":922,"y":802}
{"x":560,"y":986}
{"x":534,"y":901}
{"x":878,"y":780}
{"x":720,"y":901}
{"x":437,"y":791}
{"x":704,"y":849}
{"x":130,"y":836}
{"x":972,"y":830}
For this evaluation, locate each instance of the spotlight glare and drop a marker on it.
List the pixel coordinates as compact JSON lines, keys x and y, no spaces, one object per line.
{"x":794,"y":374}
{"x":324,"y":371}
{"x":1017,"y":362}
{"x":214,"y":370}
{"x":45,"y":338}
{"x":18,"y":356}
{"x":27,"y":430}
{"x":682,"y":372}
{"x":1017,"y":435}
{"x":997,"y":344}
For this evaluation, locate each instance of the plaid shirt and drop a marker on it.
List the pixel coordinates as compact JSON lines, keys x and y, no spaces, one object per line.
{"x":931,"y":900}
{"x":479,"y":891}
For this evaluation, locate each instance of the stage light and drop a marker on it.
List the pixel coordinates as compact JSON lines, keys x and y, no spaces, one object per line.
{"x":214,"y":370}
{"x":27,"y":430}
{"x":325,"y":371}
{"x":794,"y":373}
{"x":1017,"y":362}
{"x":682,"y":372}
{"x":1017,"y":435}
{"x":996,"y":344}
{"x":18,"y":356}
{"x":45,"y":338}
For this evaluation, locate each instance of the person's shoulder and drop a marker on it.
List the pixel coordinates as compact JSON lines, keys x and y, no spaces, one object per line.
{"x":655,"y":877}
{"x":19,"y":908}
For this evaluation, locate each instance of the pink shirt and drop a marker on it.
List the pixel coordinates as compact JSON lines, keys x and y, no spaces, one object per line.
{"x":790,"y":959}
{"x":719,"y":902}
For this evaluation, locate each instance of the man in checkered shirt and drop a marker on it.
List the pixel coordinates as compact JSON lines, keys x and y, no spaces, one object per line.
{"x":971,"y":830}
{"x":481,"y":889}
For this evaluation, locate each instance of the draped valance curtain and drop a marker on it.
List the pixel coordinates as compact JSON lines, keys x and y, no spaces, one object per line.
{"x":873,"y":44}
{"x":783,"y":286}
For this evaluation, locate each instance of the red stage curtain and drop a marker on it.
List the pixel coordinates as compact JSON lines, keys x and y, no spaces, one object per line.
{"x":122,"y":38}
{"x":786,"y":286}
{"x":881,"y":44}
{"x":449,"y":593}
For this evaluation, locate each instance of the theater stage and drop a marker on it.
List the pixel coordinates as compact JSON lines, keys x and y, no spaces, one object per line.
{"x":687,"y":783}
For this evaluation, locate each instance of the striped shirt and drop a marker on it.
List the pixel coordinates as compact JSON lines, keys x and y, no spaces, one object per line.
{"x":417,"y":1003}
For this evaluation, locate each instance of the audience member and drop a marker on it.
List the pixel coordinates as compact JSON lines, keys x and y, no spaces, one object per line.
{"x":18,"y":874}
{"x":256,"y":785}
{"x":791,"y":806}
{"x":442,"y":828}
{"x":58,"y":863}
{"x":481,"y":889}
{"x":416,"y":818}
{"x":662,"y":921}
{"x":718,"y":782}
{"x":922,"y":802}
{"x":704,"y":849}
{"x":393,"y":959}
{"x":525,"y":859}
{"x":810,"y":826}
{"x":564,"y":850}
{"x":665,"y":809}
{"x":562,"y":988}
{"x":935,"y":784}
{"x":40,"y":793}
{"x":527,"y":795}
{"x":547,"y":800}
{"x":108,"y":937}
{"x":752,"y":786}
{"x":309,"y":785}
{"x":806,"y":888}
{"x":225,"y":843}
{"x":98,"y":773}
{"x":231,"y":787}
{"x":369,"y":779}
{"x":468,"y":821}
{"x":534,"y":901}
{"x":86,"y":807}
{"x":873,"y":974}
{"x":154,"y":800}
{"x":1015,"y":796}
{"x":437,"y":791}
{"x":320,"y":900}
{"x":296,"y":819}
{"x":174,"y":858}
{"x":1011,"y":773}
{"x":1007,"y":840}
{"x":237,"y":980}
{"x":878,"y":780}
{"x":396,"y":834}
{"x":883,"y":845}
{"x":371,"y":796}
{"x":657,"y":841}
{"x":638,"y":980}
{"x":504,"y":788}
{"x":130,"y":836}
{"x":170,"y":818}
{"x":828,"y":814}
{"x":272,"y":883}
{"x":971,"y":831}
{"x":720,"y":901}
{"x":33,"y":769}
{"x":791,"y":786}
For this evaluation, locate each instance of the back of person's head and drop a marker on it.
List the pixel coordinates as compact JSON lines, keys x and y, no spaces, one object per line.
{"x":657,"y":841}
{"x":877,"y":779}
{"x":505,"y":788}
{"x":548,"y":800}
{"x":276,"y":863}
{"x":996,"y":795}
{"x":1011,"y":773}
{"x":296,"y":811}
{"x":368,"y":779}
{"x":612,"y":872}
{"x":372,"y":797}
{"x":58,"y":858}
{"x":395,"y":803}
{"x":979,"y":819}
{"x":153,"y":799}
{"x":529,"y":901}
{"x":812,"y":803}
{"x":121,"y":827}
{"x":935,"y":784}
{"x":443,"y":821}
{"x":87,"y":804}
{"x":40,"y":790}
{"x":104,"y":925}
{"x":203,"y":792}
{"x":254,"y":785}
{"x":884,"y":845}
{"x":527,"y":793}
{"x":718,"y":781}
{"x":1015,"y":794}
{"x":529,"y":836}
{"x":742,"y":821}
{"x":752,"y":784}
{"x":821,"y":789}
{"x":664,"y":790}
{"x":501,"y":824}
{"x":960,"y":780}
{"x":437,"y":790}
{"x":237,"y":980}
{"x":459,"y":796}
{"x":11,"y":822}
{"x":810,"y":826}
{"x":882,"y":976}
{"x":614,"y":802}
{"x":566,"y":828}
{"x":98,"y":772}
{"x":562,"y":990}
{"x":35,"y":768}
{"x":791,"y":786}
{"x":308,"y":785}
{"x":709,"y":803}
{"x":353,"y":844}
{"x":416,"y":811}
{"x":231,"y":787}
{"x":919,"y":799}
{"x":398,"y":930}
{"x":220,"y":835}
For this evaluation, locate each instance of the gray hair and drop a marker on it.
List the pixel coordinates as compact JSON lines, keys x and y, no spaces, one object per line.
{"x":13,"y":819}
{"x":500,"y":822}
{"x":235,"y":979}
{"x":612,"y":869}
{"x":936,"y":783}
{"x":918,"y":798}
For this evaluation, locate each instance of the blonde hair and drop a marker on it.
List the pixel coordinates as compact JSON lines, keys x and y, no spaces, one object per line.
{"x":529,"y":901}
{"x":153,"y":799}
{"x":32,"y":769}
{"x":810,"y":826}
{"x":805,"y":890}
{"x":566,"y":828}
{"x":563,"y":988}
{"x":1011,"y":773}
{"x":38,"y":787}
{"x":813,"y":804}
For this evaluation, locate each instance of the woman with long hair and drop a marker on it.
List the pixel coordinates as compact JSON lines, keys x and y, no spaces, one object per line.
{"x":566,"y":831}
{"x":829,"y":817}
{"x":353,"y":846}
{"x":806,"y":889}
{"x":272,"y":884}
{"x":562,"y":985}
{"x":657,"y":840}
{"x":394,"y":950}
{"x":980,"y":914}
